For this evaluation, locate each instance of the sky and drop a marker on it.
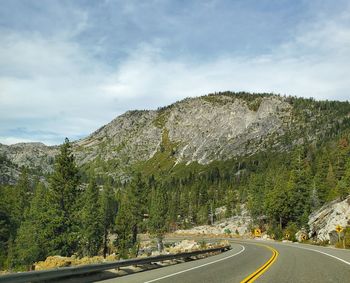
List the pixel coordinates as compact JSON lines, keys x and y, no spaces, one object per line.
{"x":69,"y":67}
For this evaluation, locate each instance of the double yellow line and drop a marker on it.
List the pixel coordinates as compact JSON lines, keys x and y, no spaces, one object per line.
{"x":256,"y":274}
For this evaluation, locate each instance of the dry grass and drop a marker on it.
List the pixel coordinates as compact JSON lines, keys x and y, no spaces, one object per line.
{"x":60,"y":261}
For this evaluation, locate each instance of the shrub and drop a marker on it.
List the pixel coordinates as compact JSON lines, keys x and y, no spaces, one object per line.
{"x":275,"y":232}
{"x":291,"y":229}
{"x":202,"y":244}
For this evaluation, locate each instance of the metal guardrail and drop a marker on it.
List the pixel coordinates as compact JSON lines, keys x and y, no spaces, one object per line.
{"x":33,"y":276}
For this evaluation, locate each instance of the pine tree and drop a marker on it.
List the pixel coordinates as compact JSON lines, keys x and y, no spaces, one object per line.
{"x":343,"y":186}
{"x":322,"y":164}
{"x":230,"y":202}
{"x":173,"y":210}
{"x":158,"y":215}
{"x":62,"y":226}
{"x":256,"y":189}
{"x":24,"y":193}
{"x":31,"y":241}
{"x":5,"y":232}
{"x":277,"y":203}
{"x":125,"y":224}
{"x":109,"y":208}
{"x":203,"y":214}
{"x":315,"y":199}
{"x":184,"y":207}
{"x":8,"y":223}
{"x":130,"y":216}
{"x":91,"y":223}
{"x":342,"y":153}
{"x":299,"y":187}
{"x":331,"y":183}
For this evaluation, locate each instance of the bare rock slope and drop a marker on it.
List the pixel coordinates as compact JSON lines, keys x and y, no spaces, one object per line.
{"x":323,"y":222}
{"x":202,"y":129}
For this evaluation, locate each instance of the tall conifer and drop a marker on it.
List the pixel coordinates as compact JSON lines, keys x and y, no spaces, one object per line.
{"x":91,"y":227}
{"x":62,"y":223}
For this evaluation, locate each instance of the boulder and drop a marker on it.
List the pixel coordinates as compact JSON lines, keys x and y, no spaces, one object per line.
{"x":323,"y":222}
{"x":236,"y":225}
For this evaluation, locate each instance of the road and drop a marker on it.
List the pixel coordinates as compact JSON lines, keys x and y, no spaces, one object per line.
{"x":282,"y":263}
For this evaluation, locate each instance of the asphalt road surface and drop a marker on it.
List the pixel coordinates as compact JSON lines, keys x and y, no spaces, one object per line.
{"x":259,"y":261}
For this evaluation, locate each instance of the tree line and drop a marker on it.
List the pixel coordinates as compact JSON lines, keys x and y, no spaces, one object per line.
{"x":65,"y":216}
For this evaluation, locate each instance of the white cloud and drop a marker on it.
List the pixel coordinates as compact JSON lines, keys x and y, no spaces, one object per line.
{"x":315,"y":63}
{"x":53,"y":85}
{"x":13,"y":140}
{"x":49,"y":85}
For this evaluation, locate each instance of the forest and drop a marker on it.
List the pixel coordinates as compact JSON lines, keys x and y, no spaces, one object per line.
{"x":75,"y":211}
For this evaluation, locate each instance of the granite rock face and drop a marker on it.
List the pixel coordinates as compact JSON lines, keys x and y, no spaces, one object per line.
{"x":324,"y":221}
{"x":236,"y":225}
{"x":128,"y":139}
{"x":201,"y":129}
{"x":35,"y":156}
{"x":207,"y":131}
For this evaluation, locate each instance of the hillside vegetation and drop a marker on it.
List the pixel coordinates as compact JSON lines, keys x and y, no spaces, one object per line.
{"x":157,"y":171}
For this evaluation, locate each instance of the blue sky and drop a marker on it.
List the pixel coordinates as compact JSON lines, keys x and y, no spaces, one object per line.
{"x":68,"y":67}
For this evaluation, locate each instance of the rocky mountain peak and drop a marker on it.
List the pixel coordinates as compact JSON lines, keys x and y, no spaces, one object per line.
{"x":202,"y":129}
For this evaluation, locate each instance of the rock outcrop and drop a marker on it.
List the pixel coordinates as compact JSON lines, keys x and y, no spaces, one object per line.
{"x":323,"y":222}
{"x":205,"y":130}
{"x":201,"y":129}
{"x":238,"y":225}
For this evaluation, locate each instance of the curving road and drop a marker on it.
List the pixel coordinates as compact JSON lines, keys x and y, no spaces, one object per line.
{"x":306,"y":263}
{"x":268,"y":261}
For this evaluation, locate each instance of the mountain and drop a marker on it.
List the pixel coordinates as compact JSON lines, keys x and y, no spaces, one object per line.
{"x":215,"y":127}
{"x":275,"y":158}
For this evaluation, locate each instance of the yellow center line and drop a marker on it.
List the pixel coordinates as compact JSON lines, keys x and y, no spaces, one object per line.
{"x":256,"y":274}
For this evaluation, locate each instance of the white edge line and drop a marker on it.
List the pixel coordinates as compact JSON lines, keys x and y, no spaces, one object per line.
{"x":333,"y":256}
{"x":199,"y":266}
{"x":317,"y":251}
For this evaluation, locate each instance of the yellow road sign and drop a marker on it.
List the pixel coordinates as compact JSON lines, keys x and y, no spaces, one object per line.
{"x":287,"y":235}
{"x":339,"y":229}
{"x":303,"y":237}
{"x":257,"y":232}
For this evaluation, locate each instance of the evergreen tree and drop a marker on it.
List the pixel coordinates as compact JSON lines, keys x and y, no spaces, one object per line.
{"x":109,"y":208}
{"x":24,"y":193}
{"x":343,"y":186}
{"x":8,"y":222}
{"x":331,"y":183}
{"x":203,"y":214}
{"x":31,"y":241}
{"x":322,"y":165}
{"x":277,"y":203}
{"x":125,"y":224}
{"x":256,"y":188}
{"x":315,"y":199}
{"x":5,"y":232}
{"x":230,"y":202}
{"x":299,"y":188}
{"x":158,"y":216}
{"x":341,"y":155}
{"x":62,"y":225}
{"x":173,"y":210}
{"x":130,"y":217}
{"x":91,"y":223}
{"x":14,"y":202}
{"x":140,"y":194}
{"x":184,"y":207}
